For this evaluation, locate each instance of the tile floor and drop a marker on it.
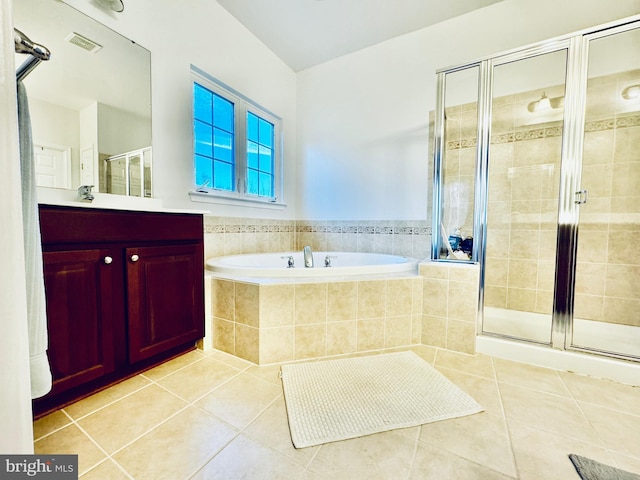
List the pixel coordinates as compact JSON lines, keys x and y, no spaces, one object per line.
{"x":208,"y":415}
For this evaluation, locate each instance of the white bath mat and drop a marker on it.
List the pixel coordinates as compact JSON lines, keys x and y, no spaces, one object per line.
{"x":335,"y":400}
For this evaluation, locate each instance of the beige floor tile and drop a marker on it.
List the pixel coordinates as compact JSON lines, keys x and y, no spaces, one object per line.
{"x":605,"y":393}
{"x":483,"y":390}
{"x":530,"y":376}
{"x":71,"y":440}
{"x":106,"y":470}
{"x":199,"y":378}
{"x":98,"y":400}
{"x":481,"y":438}
{"x":618,"y":431}
{"x":478,"y":364}
{"x":431,"y":463}
{"x":123,"y":421}
{"x":231,"y":360}
{"x":172,"y":365}
{"x":541,"y":410}
{"x":428,"y":354}
{"x":270,"y":373}
{"x":381,"y":456}
{"x":241,"y":399}
{"x":629,"y":464}
{"x":246,"y":459}
{"x":49,"y":423}
{"x":176,"y":449}
{"x":544,"y":455}
{"x":271,"y":428}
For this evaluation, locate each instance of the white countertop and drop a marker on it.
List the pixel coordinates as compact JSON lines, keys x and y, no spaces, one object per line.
{"x":69,"y":198}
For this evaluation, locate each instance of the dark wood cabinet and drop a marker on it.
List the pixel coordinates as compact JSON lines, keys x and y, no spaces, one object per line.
{"x":125,"y":291}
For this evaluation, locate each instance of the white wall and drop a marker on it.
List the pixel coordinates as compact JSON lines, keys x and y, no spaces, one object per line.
{"x":202,"y":33}
{"x":120,"y":131}
{"x":363,"y":118}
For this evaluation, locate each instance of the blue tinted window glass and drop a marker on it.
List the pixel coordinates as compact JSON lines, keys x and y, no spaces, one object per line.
{"x":203,"y":143}
{"x":222,"y":113}
{"x":252,"y":182}
{"x":266,"y":133}
{"x":202,"y":103}
{"x":252,"y":127}
{"x":266,"y":162}
{"x":204,"y":172}
{"x":266,"y":185}
{"x":222,"y":145}
{"x":252,"y":155}
{"x":222,"y":175}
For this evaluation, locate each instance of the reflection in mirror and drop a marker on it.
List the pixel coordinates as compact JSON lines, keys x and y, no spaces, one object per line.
{"x":89,"y":103}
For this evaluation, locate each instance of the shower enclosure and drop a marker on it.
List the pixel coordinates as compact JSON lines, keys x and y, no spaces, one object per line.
{"x":537,"y":167}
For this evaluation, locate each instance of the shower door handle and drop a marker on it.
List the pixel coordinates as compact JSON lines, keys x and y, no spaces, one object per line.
{"x":581,"y":196}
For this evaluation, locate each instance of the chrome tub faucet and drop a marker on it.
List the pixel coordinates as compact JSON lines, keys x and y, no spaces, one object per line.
{"x":308,"y":257}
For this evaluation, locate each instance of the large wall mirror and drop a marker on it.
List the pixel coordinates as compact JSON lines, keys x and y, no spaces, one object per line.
{"x":90,"y":104}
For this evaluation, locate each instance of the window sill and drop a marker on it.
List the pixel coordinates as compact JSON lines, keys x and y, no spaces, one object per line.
{"x":205,"y":197}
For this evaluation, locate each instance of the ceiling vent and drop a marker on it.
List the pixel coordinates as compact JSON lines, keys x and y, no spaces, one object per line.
{"x":83,"y":42}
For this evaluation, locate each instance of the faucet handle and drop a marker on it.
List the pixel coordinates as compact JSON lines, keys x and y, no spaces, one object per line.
{"x":290,"y":262}
{"x":327,"y":260}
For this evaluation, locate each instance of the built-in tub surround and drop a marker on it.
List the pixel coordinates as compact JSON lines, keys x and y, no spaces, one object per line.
{"x":450,"y":305}
{"x":267,"y":321}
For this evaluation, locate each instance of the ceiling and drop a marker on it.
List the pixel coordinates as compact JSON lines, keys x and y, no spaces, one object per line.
{"x":304,"y":33}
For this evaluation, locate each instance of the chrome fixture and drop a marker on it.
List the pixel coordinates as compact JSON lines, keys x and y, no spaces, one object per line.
{"x":545,"y":103}
{"x":84,"y":193}
{"x":115,"y":5}
{"x":308,"y":257}
{"x":631,"y":92}
{"x":37,"y":53}
{"x":290,"y":263}
{"x":327,"y":260}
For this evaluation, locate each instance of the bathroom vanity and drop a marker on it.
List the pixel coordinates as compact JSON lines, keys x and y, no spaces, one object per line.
{"x":124,"y":291}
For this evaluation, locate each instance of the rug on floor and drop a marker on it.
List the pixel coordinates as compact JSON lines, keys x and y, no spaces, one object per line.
{"x":591,"y":470}
{"x":346,"y":398}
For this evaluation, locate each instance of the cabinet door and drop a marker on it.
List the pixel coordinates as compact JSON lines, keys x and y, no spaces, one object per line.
{"x":80,"y":310}
{"x":165,"y":287}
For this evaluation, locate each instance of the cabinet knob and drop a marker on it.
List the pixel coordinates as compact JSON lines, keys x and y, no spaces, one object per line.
{"x":134,"y":258}
{"x":107,"y":260}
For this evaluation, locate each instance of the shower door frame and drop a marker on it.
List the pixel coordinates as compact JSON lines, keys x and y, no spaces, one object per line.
{"x":577,"y":46}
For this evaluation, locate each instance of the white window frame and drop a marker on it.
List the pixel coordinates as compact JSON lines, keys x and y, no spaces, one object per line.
{"x":242,"y":106}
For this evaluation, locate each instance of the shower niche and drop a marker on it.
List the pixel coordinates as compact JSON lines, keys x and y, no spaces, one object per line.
{"x":535,"y":157}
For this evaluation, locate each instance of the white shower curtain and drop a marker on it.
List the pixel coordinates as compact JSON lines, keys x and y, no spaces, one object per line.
{"x":36,"y":305}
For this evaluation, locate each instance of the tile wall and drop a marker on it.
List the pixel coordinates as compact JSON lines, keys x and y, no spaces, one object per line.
{"x":450,"y":302}
{"x":278,"y":322}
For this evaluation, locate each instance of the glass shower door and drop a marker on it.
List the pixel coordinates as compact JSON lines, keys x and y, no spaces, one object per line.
{"x":606,"y":314}
{"x":525,"y":151}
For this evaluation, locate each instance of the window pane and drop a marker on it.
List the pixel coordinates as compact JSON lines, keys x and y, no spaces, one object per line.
{"x":252,"y":155}
{"x":252,"y":127}
{"x":223,"y":175}
{"x":266,"y":185}
{"x":252,"y":182}
{"x":203,"y":144}
{"x":266,"y":164}
{"x":223,"y":145}
{"x":266,"y":133}
{"x":202,"y":103}
{"x":222,"y":113}
{"x":204,"y":172}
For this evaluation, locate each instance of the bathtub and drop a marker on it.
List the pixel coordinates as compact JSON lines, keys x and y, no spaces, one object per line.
{"x":342,"y":263}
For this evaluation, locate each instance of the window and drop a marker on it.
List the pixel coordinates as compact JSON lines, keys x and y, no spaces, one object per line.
{"x":236,"y":145}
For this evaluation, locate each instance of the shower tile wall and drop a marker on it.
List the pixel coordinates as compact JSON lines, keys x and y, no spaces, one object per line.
{"x":608,"y":266}
{"x":523,"y":202}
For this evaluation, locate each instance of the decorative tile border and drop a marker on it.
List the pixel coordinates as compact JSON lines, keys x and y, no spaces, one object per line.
{"x":551,"y":130}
